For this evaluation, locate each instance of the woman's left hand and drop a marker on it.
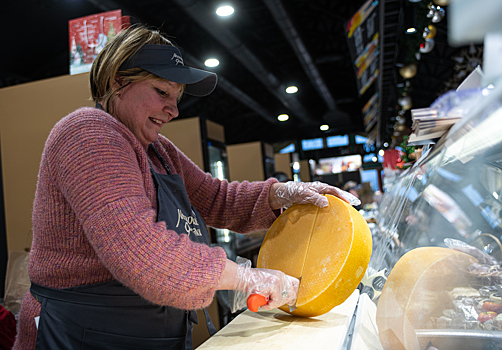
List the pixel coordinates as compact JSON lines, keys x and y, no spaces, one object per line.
{"x":283,"y":195}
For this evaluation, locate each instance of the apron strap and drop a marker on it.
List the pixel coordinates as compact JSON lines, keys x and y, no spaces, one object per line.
{"x":191,"y":319}
{"x":161,"y":159}
{"x":209,"y":324}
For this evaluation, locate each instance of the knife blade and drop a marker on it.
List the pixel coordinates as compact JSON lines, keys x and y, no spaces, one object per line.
{"x":293,"y":307}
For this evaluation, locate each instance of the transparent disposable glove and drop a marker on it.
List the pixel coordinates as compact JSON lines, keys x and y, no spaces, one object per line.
{"x":309,"y":192}
{"x":279,"y":288}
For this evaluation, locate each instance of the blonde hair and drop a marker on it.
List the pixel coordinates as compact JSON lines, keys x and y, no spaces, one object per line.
{"x":106,"y":65}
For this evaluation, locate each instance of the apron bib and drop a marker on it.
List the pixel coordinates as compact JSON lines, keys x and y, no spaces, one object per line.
{"x":110,"y":316}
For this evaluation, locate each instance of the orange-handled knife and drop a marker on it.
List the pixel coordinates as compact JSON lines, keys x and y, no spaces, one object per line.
{"x":255,"y":301}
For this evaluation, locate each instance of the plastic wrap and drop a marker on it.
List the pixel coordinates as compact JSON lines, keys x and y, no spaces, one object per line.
{"x":310,"y":192}
{"x":279,"y":288}
{"x":458,"y":103}
{"x":482,"y":257}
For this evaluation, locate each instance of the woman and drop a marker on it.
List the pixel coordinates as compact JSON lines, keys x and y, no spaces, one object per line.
{"x":120,"y":255}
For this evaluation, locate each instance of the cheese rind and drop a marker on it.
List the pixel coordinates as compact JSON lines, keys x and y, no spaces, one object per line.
{"x":415,"y":291}
{"x":328,"y":247}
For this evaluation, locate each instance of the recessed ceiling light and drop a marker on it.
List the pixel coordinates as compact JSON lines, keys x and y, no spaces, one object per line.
{"x":224,"y":11}
{"x":291,"y":89}
{"x":212,"y":62}
{"x":283,"y":117}
{"x":411,"y":30}
{"x":324,"y":127}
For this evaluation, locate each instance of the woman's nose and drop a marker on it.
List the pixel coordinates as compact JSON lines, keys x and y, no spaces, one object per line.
{"x":171,"y":108}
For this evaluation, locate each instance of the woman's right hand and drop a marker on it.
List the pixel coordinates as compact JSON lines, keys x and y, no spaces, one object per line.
{"x":279,"y":288}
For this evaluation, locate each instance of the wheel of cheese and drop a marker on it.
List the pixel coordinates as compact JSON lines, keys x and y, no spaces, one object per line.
{"x":329,"y":248}
{"x":415,"y":291}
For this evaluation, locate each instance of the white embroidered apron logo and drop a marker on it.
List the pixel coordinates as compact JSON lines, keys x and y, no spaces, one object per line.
{"x":189,"y":220}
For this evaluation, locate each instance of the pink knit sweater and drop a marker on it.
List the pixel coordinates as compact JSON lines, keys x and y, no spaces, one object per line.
{"x":94,"y":218}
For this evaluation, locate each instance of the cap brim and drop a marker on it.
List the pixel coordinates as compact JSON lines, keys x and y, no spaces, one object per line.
{"x":198,"y":82}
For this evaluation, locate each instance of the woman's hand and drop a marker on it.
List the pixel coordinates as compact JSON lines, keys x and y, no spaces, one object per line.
{"x":279,"y":288}
{"x":283,"y":195}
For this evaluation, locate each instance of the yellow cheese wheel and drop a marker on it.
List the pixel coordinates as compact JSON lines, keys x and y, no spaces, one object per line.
{"x":415,"y":291}
{"x":329,"y":248}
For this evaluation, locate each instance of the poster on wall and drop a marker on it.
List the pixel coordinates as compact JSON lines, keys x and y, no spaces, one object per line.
{"x":89,"y":35}
{"x":362,"y":33}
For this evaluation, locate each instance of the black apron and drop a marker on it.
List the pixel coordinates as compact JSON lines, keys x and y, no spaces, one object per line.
{"x":109,"y":316}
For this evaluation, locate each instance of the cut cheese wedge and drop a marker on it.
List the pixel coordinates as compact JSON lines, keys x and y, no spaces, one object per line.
{"x":329,"y":248}
{"x":415,"y":291}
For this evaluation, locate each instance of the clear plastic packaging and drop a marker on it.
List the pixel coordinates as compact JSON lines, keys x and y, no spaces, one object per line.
{"x":457,"y":104}
{"x":482,"y":257}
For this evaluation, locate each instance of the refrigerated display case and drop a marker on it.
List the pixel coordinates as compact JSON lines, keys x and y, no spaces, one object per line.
{"x":451,"y":198}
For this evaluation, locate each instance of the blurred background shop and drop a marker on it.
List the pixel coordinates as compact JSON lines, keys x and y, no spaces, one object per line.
{"x":396,"y":101}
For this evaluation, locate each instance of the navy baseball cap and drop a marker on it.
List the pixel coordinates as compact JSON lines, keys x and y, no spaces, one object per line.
{"x":165,"y":61}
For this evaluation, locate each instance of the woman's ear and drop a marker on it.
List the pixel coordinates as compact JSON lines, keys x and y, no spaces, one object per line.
{"x":117,"y":83}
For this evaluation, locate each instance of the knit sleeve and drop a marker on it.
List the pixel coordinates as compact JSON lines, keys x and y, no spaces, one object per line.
{"x":238,"y":206}
{"x":98,"y":169}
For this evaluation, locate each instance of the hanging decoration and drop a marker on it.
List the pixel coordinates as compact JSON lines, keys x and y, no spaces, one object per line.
{"x":407,"y":155}
{"x":432,"y":31}
{"x":426,"y":32}
{"x":408,"y":71}
{"x":465,"y":62}
{"x":427,"y":46}
{"x":417,"y":38}
{"x":405,"y":102}
{"x":438,"y":15}
{"x":442,"y":2}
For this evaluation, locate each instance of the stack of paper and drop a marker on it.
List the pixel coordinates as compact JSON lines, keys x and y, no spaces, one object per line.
{"x":430,"y":124}
{"x":428,"y":127}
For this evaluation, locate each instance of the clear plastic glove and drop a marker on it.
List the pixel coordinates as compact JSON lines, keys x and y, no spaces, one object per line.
{"x":279,"y":288}
{"x":309,"y":192}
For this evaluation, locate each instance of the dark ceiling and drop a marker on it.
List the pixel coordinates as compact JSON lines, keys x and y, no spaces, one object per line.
{"x":257,"y":59}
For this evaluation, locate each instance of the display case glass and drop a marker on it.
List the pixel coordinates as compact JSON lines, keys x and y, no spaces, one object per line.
{"x":451,"y":198}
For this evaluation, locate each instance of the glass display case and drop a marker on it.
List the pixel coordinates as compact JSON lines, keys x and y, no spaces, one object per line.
{"x":451,"y":198}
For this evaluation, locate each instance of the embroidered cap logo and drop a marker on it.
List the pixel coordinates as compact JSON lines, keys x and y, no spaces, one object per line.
{"x":178,"y":58}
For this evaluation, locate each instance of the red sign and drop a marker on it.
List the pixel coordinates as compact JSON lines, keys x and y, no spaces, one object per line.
{"x":89,"y":35}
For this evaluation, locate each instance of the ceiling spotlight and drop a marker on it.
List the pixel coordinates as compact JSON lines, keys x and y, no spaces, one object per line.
{"x":381,"y":153}
{"x":324,"y":127}
{"x":375,"y":159}
{"x":385,"y":144}
{"x":411,"y":30}
{"x":291,"y":89}
{"x":283,"y":117}
{"x":224,"y":11}
{"x":212,"y":62}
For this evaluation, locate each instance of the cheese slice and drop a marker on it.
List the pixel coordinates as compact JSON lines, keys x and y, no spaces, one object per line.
{"x":329,"y":248}
{"x":415,"y":291}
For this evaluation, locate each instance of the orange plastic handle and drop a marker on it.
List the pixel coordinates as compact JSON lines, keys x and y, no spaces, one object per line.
{"x":255,"y":301}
